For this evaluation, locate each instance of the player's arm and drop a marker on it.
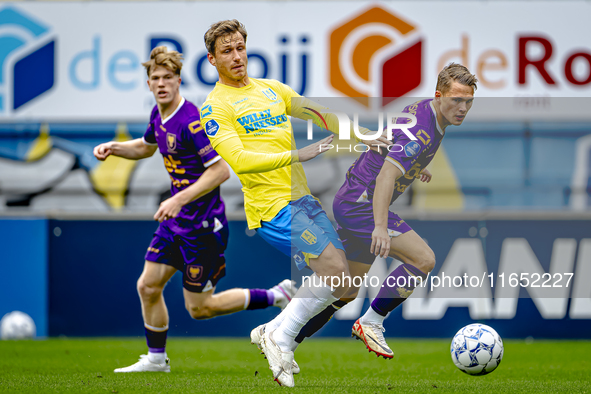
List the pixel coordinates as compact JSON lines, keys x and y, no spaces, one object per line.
{"x":135,"y":149}
{"x":214,"y":175}
{"x":306,"y":109}
{"x":380,"y":240}
{"x":245,"y":161}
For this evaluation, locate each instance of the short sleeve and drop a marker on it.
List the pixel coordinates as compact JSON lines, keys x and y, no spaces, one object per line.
{"x":217,"y":122}
{"x":150,"y":135}
{"x":405,"y":152}
{"x":202,"y":144}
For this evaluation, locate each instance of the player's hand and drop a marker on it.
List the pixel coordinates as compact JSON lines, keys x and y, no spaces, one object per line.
{"x":169,"y":209}
{"x":379,"y":143}
{"x":313,"y":150}
{"x":380,"y":242}
{"x":424,"y":175}
{"x":103,"y":151}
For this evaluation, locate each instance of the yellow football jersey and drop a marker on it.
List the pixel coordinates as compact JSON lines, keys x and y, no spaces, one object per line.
{"x":250,"y":129}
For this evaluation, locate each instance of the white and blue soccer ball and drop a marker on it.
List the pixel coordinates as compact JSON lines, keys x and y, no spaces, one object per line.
{"x":17,"y":325}
{"x":477,"y":349}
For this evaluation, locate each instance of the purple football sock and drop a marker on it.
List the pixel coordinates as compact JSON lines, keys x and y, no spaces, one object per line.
{"x":397,"y":287}
{"x":260,"y":299}
{"x":156,"y":340}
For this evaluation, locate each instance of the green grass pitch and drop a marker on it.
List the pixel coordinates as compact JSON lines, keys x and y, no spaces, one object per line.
{"x":211,"y":365}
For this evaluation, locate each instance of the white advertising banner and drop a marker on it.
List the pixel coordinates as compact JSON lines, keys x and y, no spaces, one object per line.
{"x":82,"y":61}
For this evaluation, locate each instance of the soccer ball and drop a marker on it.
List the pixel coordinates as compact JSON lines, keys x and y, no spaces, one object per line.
{"x":17,"y":325}
{"x":477,"y":349}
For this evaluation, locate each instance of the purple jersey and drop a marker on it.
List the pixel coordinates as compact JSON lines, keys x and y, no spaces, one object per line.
{"x":408,"y":155}
{"x":187,"y":153}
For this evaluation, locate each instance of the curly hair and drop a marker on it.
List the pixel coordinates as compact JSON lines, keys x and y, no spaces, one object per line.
{"x":161,"y":56}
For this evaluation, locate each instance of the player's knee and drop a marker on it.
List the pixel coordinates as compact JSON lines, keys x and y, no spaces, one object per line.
{"x":201,"y":311}
{"x":338,"y":267}
{"x":147,"y":291}
{"x":426,"y":262}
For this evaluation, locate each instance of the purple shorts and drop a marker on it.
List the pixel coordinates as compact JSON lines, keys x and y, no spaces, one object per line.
{"x":356,"y":224}
{"x":201,"y":260}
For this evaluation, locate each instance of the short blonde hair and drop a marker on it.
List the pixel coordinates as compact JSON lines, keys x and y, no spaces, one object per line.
{"x":221,"y":29}
{"x":161,"y":56}
{"x":455,"y":72}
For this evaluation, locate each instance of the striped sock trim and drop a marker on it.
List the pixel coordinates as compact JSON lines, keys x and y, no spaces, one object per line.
{"x":246,"y":298}
{"x":156,"y":329}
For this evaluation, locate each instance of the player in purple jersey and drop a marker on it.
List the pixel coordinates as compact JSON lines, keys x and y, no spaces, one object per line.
{"x":366,"y":226}
{"x":193,"y":231}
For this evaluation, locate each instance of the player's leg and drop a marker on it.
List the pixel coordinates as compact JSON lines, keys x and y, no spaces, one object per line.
{"x":357,"y":244}
{"x":304,"y":230}
{"x":206,"y":265}
{"x":150,"y":286}
{"x":209,"y":304}
{"x":311,"y":237}
{"x":356,"y":269}
{"x":418,"y":260}
{"x":315,"y":295}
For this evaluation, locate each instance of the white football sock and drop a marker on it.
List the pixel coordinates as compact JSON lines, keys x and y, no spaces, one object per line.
{"x":372,"y":317}
{"x":157,"y":358}
{"x":276,"y":322}
{"x":312,"y":298}
{"x":246,"y":298}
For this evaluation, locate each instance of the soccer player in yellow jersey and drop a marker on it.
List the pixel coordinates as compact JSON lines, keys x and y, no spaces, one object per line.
{"x":246,"y":120}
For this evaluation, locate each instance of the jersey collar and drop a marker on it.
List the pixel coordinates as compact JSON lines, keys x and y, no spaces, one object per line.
{"x":435,"y":113}
{"x":175,"y":111}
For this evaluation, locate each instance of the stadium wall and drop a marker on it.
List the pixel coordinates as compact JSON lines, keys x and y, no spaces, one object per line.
{"x":92,"y":267}
{"x":24,"y":268}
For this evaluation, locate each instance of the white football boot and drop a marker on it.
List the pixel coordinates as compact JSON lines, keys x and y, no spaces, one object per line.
{"x":284,"y":292}
{"x":280,"y":362}
{"x":373,"y":337}
{"x":255,"y":339}
{"x":145,"y":365}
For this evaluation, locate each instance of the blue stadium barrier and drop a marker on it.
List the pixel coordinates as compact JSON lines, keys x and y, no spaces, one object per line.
{"x":94,"y":266}
{"x":24,"y":269}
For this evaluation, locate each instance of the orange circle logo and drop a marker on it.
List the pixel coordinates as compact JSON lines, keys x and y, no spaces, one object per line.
{"x":375,"y":54}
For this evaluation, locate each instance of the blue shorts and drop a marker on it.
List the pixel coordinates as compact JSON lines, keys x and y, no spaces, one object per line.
{"x":301,"y":230}
{"x":201,"y":260}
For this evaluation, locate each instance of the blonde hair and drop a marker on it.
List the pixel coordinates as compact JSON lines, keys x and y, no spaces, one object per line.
{"x":161,"y":56}
{"x":455,"y":72}
{"x":221,"y":29}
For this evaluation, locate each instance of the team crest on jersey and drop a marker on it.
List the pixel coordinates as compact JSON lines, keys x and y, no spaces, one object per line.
{"x":271,"y":95}
{"x":207,"y":110}
{"x":298,"y":258}
{"x":212,"y":127}
{"x":171,"y":142}
{"x":194,"y":272}
{"x":309,"y":237}
{"x":412,"y":148}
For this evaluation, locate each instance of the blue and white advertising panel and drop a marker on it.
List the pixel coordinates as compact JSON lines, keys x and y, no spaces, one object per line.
{"x":82,"y":61}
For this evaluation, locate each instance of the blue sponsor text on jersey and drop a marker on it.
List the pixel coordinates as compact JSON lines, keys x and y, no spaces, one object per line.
{"x":261,"y":120}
